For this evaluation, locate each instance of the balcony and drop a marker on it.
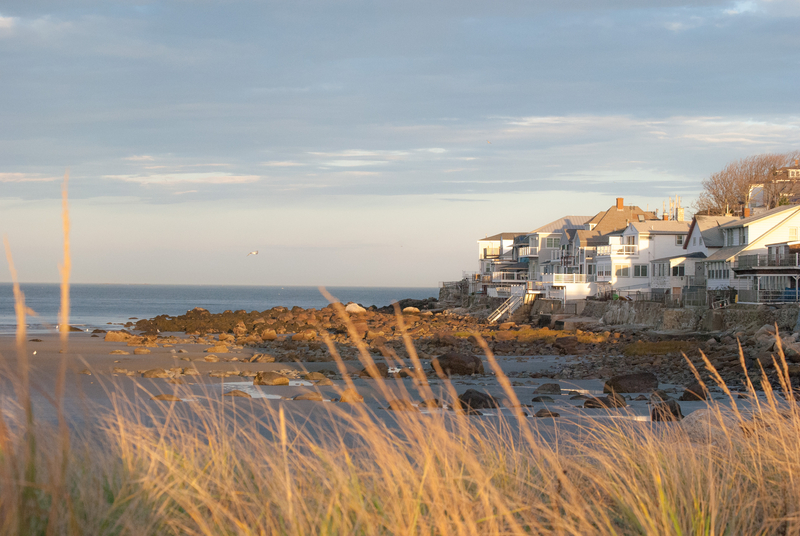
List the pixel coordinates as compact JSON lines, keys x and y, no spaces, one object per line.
{"x":618,"y":250}
{"x":503,"y":277}
{"x":565,"y":279}
{"x":754,"y":262}
{"x":528,"y":251}
{"x":490,"y":253}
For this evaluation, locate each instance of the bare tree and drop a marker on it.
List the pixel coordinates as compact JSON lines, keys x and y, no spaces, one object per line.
{"x":729,"y":188}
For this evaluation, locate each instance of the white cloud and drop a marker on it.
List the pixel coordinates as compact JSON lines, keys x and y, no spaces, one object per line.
{"x":6,"y":23}
{"x":281,"y":163}
{"x":742,"y":7}
{"x":140,"y":158}
{"x":355,"y":163}
{"x":184,"y":178}
{"x":25,"y":177}
{"x":355,"y":153}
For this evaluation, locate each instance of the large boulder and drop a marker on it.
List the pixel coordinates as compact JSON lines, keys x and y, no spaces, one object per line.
{"x":695,"y":392}
{"x":315,"y":396}
{"x":666,"y":411}
{"x":456,"y":363}
{"x":376,"y":370}
{"x":117,"y":336}
{"x":477,"y":400}
{"x":548,"y":389}
{"x":156,"y":373}
{"x":354,"y":308}
{"x":642,"y":382}
{"x":270,"y":378}
{"x":708,"y":426}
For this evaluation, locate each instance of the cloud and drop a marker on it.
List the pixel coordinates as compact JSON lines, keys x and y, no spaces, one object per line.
{"x":6,"y":23}
{"x":355,"y":163}
{"x":185,"y":178}
{"x":140,"y":158}
{"x":742,"y":7}
{"x":25,"y":177}
{"x":281,"y":163}
{"x":355,"y":153}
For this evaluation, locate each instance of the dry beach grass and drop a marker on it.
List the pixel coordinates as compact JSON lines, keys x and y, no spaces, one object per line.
{"x":208,"y":468}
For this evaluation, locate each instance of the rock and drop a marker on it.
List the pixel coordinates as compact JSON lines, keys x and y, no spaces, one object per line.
{"x":706,"y":426}
{"x":156,"y":373}
{"x":119,"y":352}
{"x":402,"y":405}
{"x":117,"y":336}
{"x":477,"y":400}
{"x":568,"y":345}
{"x":237,"y":393}
{"x":141,"y":351}
{"x":613,"y":400}
{"x":548,"y":389}
{"x":375,"y":370}
{"x":218,"y":349}
{"x":324,"y":382}
{"x":310,"y":395}
{"x":270,"y":378}
{"x":505,"y":326}
{"x":545,"y":413}
{"x":354,"y":308}
{"x":641,"y":398}
{"x":211,"y":358}
{"x":269,"y":335}
{"x":694,"y":392}
{"x":409,"y":310}
{"x":351,"y":396}
{"x":191,"y":372}
{"x":262,"y":358}
{"x":166,"y":398}
{"x":119,"y":370}
{"x":546,"y":399}
{"x":642,"y":382}
{"x":579,"y":397}
{"x":218,"y":374}
{"x":314,"y":376}
{"x":659,"y":395}
{"x":431,"y":403}
{"x":456,"y":363}
{"x":666,"y":411}
{"x":85,"y":371}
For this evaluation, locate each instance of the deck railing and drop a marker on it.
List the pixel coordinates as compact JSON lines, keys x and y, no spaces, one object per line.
{"x":744,"y":262}
{"x":618,"y":249}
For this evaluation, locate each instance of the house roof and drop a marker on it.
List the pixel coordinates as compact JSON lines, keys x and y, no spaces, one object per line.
{"x":767,"y":214}
{"x":615,"y":219}
{"x":695,"y":255}
{"x":500,"y":236}
{"x":709,"y":227}
{"x":723,"y":254}
{"x":567,"y":222}
{"x":671,"y":227}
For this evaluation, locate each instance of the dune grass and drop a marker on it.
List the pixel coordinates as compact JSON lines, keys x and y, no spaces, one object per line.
{"x":252,"y":467}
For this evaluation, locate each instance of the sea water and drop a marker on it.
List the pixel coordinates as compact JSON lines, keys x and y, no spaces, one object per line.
{"x":93,"y":306}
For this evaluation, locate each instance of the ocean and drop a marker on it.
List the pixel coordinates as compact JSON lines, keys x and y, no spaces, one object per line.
{"x":95,"y":306}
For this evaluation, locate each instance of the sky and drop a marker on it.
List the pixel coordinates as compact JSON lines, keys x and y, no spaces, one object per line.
{"x":361,"y":142}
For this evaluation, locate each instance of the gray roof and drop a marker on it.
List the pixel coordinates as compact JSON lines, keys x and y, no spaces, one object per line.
{"x":724,"y":254}
{"x":567,"y":222}
{"x":500,"y":236}
{"x":655,"y":227}
{"x":767,"y":214}
{"x":695,"y":255}
{"x":710,"y":229}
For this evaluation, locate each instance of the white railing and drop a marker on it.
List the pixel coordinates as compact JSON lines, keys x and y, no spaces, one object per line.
{"x":618,"y":249}
{"x":563,"y":279}
{"x":528,"y":251}
{"x":509,"y":276}
{"x":508,"y":306}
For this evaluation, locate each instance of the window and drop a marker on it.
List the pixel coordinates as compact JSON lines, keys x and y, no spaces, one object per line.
{"x":591,"y":269}
{"x":742,"y":239}
{"x":679,"y":240}
{"x":629,"y":240}
{"x":603,"y":270}
{"x":662,"y":269}
{"x":640,"y":270}
{"x":623,"y":271}
{"x":553,"y":242}
{"x":694,"y":241}
{"x":700,"y":241}
{"x":678,"y":271}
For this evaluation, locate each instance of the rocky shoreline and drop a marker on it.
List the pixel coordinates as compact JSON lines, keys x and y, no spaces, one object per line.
{"x":295,"y":335}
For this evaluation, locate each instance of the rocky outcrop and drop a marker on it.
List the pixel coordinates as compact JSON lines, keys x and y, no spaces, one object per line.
{"x":456,"y":363}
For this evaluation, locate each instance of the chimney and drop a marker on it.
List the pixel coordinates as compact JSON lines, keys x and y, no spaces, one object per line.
{"x":665,"y":217}
{"x":620,"y":203}
{"x":679,"y":215}
{"x":746,"y":212}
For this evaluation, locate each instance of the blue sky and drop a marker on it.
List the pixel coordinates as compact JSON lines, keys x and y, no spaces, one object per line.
{"x":365,"y":143}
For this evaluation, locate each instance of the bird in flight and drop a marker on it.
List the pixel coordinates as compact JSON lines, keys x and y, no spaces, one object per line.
{"x":487,"y":141}
{"x":252,"y":253}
